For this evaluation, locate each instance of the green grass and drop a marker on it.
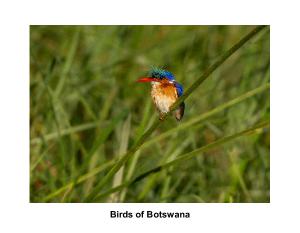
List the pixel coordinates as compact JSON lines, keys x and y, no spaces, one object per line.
{"x":86,"y":112}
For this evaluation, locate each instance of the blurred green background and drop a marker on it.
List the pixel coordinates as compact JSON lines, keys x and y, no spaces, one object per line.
{"x":86,"y":110}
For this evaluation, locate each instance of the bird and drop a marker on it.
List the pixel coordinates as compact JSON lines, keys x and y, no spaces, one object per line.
{"x":165,"y":91}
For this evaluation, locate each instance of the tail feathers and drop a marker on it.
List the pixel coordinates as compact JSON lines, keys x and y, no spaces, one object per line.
{"x":179,"y":112}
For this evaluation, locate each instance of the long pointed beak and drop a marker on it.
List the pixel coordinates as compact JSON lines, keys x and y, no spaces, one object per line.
{"x":147,"y":79}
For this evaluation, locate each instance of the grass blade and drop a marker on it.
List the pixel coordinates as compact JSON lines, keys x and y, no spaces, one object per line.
{"x":68,"y":63}
{"x":79,"y":180}
{"x":125,"y":132}
{"x":70,"y":130}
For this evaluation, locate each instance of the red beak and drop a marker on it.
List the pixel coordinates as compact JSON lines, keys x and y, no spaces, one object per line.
{"x":147,"y":79}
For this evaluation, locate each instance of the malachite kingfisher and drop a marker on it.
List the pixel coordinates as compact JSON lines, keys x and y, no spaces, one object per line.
{"x":165,"y":91}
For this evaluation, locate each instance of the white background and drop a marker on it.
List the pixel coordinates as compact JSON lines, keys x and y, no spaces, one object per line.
{"x":18,"y":215}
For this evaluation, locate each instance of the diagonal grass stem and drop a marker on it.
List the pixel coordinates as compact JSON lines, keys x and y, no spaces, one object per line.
{"x":254,"y":130}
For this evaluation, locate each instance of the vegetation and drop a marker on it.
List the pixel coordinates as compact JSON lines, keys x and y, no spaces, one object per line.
{"x":88,"y":117}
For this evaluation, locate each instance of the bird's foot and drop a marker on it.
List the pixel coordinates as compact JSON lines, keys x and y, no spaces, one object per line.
{"x":162,"y":116}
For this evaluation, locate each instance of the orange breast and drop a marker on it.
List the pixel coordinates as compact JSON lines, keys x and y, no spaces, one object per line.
{"x":164,"y":95}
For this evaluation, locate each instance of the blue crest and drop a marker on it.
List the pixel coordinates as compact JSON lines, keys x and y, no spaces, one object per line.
{"x":160,"y":73}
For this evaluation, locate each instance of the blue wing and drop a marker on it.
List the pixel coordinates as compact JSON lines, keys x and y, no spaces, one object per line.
{"x":179,"y":89}
{"x":180,"y":111}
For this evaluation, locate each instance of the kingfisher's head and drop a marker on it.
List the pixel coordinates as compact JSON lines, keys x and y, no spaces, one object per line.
{"x":157,"y":75}
{"x":165,"y":91}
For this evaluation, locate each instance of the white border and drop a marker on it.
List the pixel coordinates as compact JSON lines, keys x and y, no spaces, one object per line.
{"x":17,"y":215}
